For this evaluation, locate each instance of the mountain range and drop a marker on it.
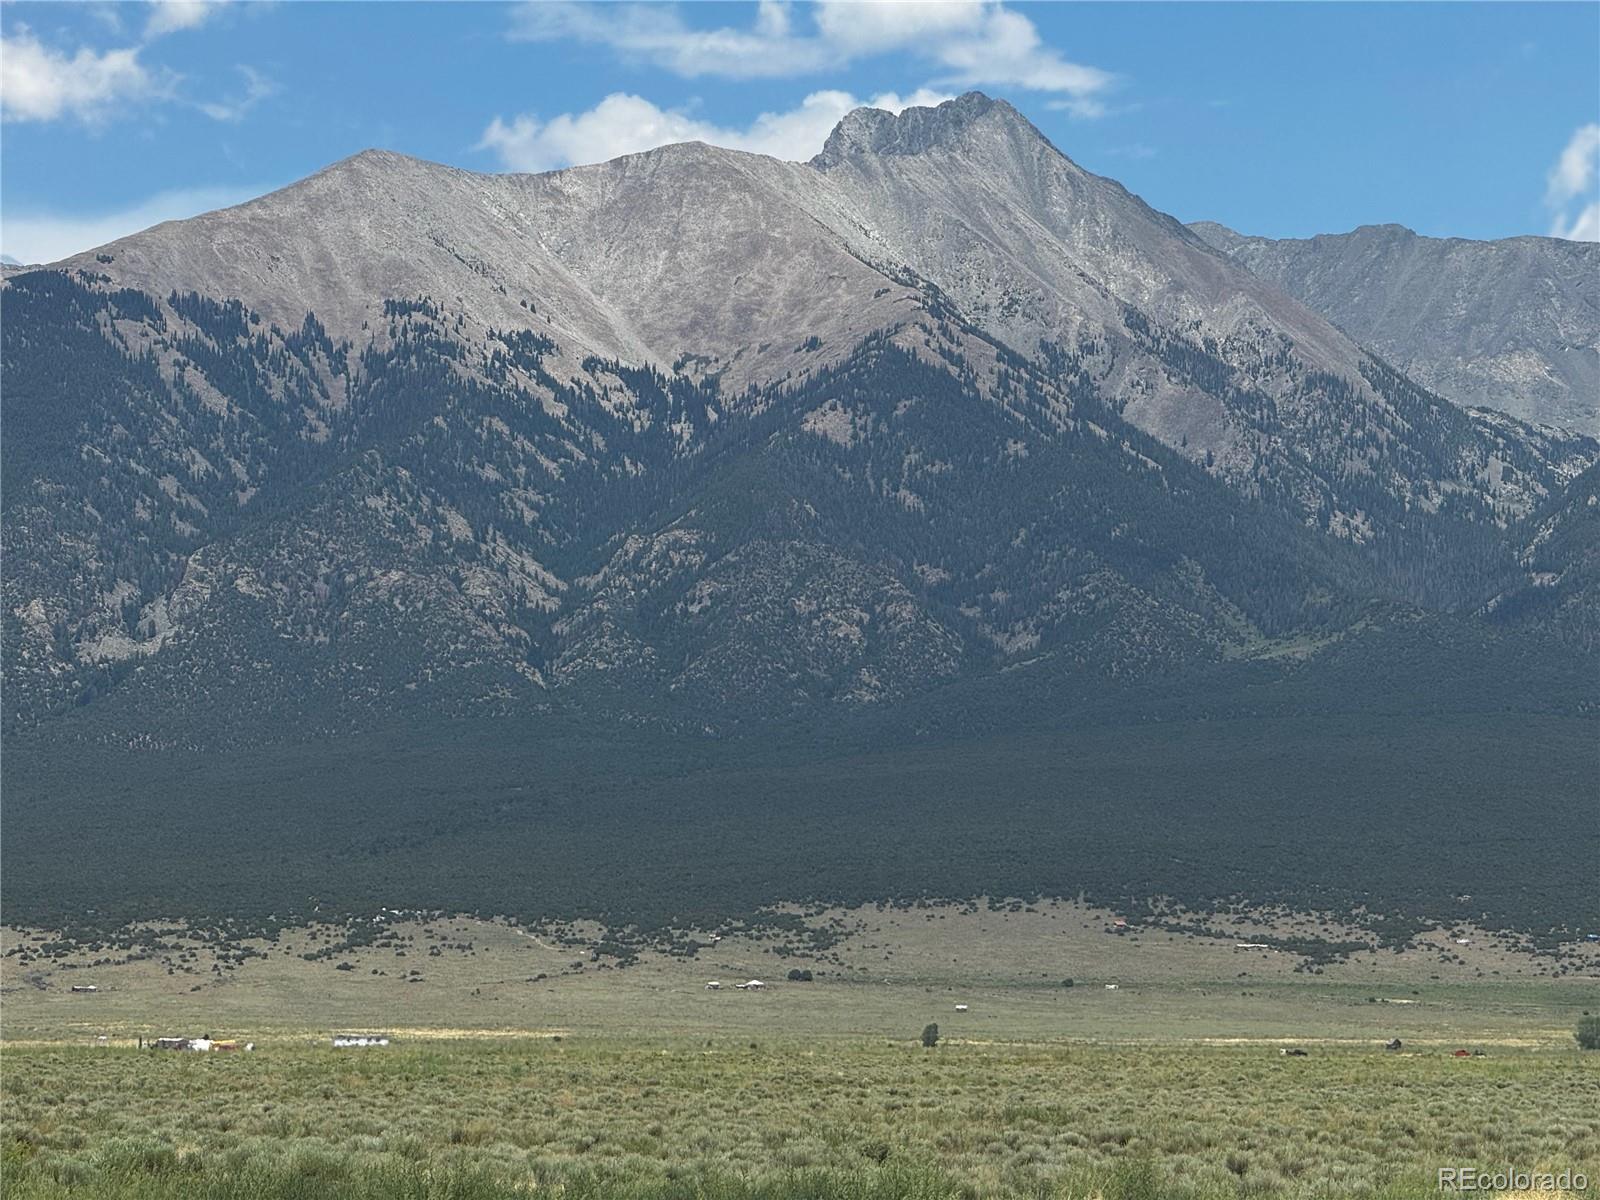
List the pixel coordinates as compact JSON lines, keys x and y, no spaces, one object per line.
{"x":935,"y":437}
{"x":1512,"y":325}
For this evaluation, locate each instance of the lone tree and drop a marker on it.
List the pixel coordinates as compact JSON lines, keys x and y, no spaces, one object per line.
{"x":930,"y":1036}
{"x":1588,"y":1033}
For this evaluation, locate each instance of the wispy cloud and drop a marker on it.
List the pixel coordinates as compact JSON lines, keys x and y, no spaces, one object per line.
{"x":627,"y":124}
{"x":44,"y":237}
{"x":964,"y":43}
{"x":1572,"y":190}
{"x":1085,"y":108}
{"x":257,"y":87}
{"x":657,"y":34}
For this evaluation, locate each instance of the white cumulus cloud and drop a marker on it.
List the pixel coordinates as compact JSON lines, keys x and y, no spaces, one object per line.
{"x":172,"y":16}
{"x":38,"y":83}
{"x":1006,"y":49}
{"x":627,"y":124}
{"x":859,"y":29}
{"x":1572,"y":184}
{"x":44,"y":237}
{"x":965,"y":43}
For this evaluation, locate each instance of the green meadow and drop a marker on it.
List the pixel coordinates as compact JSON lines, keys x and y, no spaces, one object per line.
{"x":774,"y":1117}
{"x":530,"y":1063}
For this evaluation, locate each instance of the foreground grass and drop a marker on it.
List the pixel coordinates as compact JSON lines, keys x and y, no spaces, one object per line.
{"x":849,"y":1119}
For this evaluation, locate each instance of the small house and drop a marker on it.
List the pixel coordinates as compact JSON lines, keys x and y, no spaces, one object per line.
{"x":961,"y":1008}
{"x":754,"y":985}
{"x":714,"y":985}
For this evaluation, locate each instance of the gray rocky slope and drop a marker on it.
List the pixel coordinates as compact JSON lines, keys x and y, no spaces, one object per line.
{"x":1512,"y":325}
{"x":719,"y":262}
{"x":749,"y":434}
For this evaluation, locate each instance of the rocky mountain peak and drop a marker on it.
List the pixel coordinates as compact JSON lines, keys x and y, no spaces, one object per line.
{"x":373,"y":156}
{"x":1390,"y":229}
{"x":874,"y":131}
{"x":373,"y":164}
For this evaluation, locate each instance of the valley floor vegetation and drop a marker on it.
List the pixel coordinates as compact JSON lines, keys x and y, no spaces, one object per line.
{"x":773,"y":1118}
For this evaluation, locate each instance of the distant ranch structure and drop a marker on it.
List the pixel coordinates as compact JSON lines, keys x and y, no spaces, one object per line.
{"x":200,"y":1045}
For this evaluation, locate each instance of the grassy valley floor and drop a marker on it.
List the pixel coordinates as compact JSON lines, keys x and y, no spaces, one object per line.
{"x":523,"y":1065}
{"x":778,"y":1117}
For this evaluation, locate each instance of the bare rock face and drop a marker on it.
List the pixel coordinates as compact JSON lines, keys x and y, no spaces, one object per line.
{"x":1512,"y":325}
{"x":874,"y":132}
{"x":738,"y":267}
{"x":709,"y":258}
{"x":371,"y":227}
{"x":1026,"y":242}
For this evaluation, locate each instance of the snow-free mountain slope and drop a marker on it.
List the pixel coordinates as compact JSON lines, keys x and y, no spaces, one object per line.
{"x":720,"y":264}
{"x":687,"y":252}
{"x":1512,"y":324}
{"x":1028,"y":244}
{"x":702,"y":426}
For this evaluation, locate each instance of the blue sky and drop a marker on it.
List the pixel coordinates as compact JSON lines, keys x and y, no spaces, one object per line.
{"x":1476,"y":120}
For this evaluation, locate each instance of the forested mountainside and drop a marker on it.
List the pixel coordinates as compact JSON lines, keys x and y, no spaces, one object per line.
{"x":198,"y":505}
{"x":636,"y":476}
{"x":1560,"y":559}
{"x":1512,"y":325}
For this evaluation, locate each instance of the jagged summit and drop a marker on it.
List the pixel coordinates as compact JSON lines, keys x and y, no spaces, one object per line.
{"x":913,"y":130}
{"x":1387,"y":228}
